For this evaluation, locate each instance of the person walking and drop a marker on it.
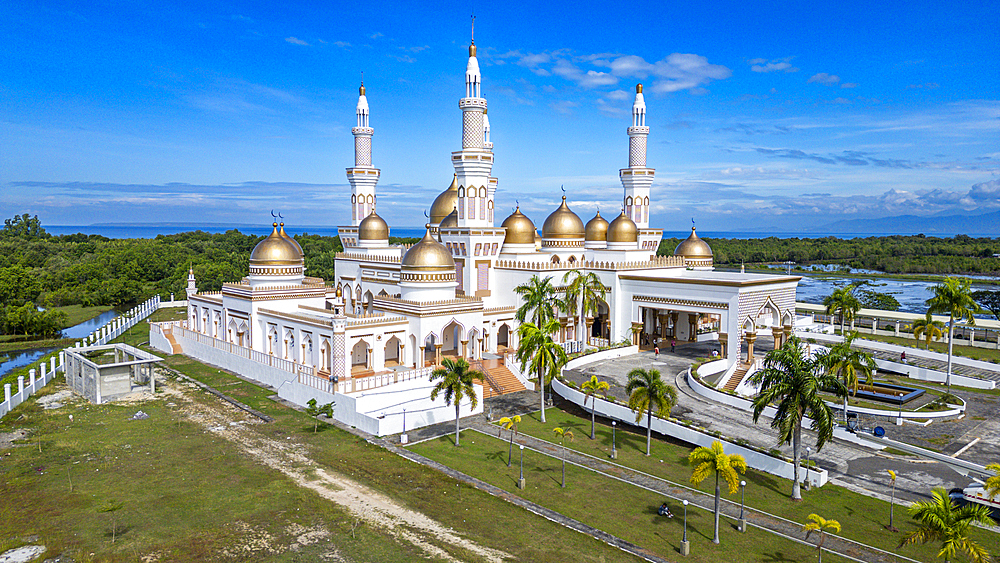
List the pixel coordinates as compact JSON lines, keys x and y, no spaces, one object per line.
{"x":656,"y":351}
{"x":673,"y":343}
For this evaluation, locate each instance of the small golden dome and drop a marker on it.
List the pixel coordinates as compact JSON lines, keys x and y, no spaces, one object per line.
{"x":472,"y":50}
{"x":361,"y":90}
{"x":563,"y":223}
{"x":445,"y":203}
{"x":428,"y":255}
{"x":290,"y":239}
{"x":597,"y":228}
{"x":638,"y":88}
{"x":520,"y":229}
{"x":623,"y":229}
{"x":451,"y":221}
{"x":693,"y":247}
{"x":373,"y":227}
{"x":275,"y":250}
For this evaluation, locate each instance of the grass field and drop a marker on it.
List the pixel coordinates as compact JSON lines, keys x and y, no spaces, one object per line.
{"x":862,"y":517}
{"x":974,"y":353}
{"x":189,"y":496}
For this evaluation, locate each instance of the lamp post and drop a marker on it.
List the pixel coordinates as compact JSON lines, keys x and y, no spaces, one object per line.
{"x":403,"y":438}
{"x":685,"y":546}
{"x":614,"y":451}
{"x":899,"y":421}
{"x":520,"y":480}
{"x":808,"y":453}
{"x":743,"y":495}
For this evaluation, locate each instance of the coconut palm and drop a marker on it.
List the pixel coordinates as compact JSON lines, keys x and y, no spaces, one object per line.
{"x":456,"y":383}
{"x":714,"y":460}
{"x":510,"y":423}
{"x":539,"y":353}
{"x":538,"y":296}
{"x":793,"y":380}
{"x":992,"y":487}
{"x":819,"y":524}
{"x":583,"y":294}
{"x":844,"y":303}
{"x":954,"y":297}
{"x":647,"y":392}
{"x":849,"y":365}
{"x":591,"y":387}
{"x":892,"y":497}
{"x":564,"y":435}
{"x":928,"y":328}
{"x":940,"y":520}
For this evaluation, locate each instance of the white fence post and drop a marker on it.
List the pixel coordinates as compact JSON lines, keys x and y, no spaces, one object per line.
{"x":31,"y":378}
{"x":20,"y":384}
{"x":6,"y":393}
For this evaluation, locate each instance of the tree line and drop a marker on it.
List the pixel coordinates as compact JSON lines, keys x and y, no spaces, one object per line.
{"x":916,"y":254}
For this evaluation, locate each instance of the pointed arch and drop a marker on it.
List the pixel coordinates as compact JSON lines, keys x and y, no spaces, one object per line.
{"x":769,"y":312}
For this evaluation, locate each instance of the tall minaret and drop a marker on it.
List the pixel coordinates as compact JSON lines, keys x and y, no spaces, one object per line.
{"x":637,"y":179}
{"x":192,"y":287}
{"x":363,"y":176}
{"x":474,"y":162}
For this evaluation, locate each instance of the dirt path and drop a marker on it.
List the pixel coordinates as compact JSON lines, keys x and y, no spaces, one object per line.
{"x":368,"y":506}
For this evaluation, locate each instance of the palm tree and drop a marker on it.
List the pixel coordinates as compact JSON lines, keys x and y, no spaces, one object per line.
{"x":647,"y":391}
{"x":583,"y":294}
{"x":940,"y":520}
{"x":539,"y":295}
{"x":539,"y":353}
{"x":564,"y":435}
{"x":844,"y":303}
{"x":928,"y":328}
{"x":849,"y":365}
{"x":794,"y":380}
{"x":954,"y":296}
{"x":821,"y":525}
{"x":714,"y":460}
{"x":590,"y":388}
{"x":992,"y":487}
{"x":510,"y":423}
{"x":456,"y":382}
{"x":892,"y":498}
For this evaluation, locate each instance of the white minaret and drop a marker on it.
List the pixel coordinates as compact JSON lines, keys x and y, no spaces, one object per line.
{"x":637,"y":179}
{"x":474,"y":162}
{"x":192,"y":287}
{"x":363,"y":176}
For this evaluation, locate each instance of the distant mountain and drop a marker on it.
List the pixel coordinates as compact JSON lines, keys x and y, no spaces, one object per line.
{"x":987,"y":224}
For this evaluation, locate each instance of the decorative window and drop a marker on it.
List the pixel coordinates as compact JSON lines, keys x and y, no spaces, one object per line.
{"x":483,"y":276}
{"x":495,"y":248}
{"x":463,"y":249}
{"x":479,"y":246}
{"x":472,"y":207}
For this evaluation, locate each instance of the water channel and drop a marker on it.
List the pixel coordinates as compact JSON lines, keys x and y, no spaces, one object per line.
{"x":9,"y":361}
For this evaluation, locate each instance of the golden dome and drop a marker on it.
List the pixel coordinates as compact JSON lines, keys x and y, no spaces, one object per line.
{"x":373,"y":227}
{"x":472,"y":50}
{"x":275,"y":250}
{"x":597,"y":228}
{"x":520,"y":229}
{"x":638,"y":88}
{"x":361,"y":90}
{"x":428,"y":254}
{"x":693,"y":247}
{"x":563,"y":223}
{"x":445,"y":202}
{"x":623,"y":229}
{"x":290,"y":239}
{"x":451,"y":221}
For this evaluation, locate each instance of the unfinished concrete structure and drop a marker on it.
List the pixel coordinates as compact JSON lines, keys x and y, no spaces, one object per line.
{"x":104,"y":373}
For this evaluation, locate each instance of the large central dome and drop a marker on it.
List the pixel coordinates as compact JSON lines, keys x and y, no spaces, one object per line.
{"x":563,"y":224}
{"x":275,"y":250}
{"x":445,"y":203}
{"x":520,"y":229}
{"x":428,"y":255}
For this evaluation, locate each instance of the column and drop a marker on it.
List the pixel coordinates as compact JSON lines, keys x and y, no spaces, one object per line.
{"x":777,"y":333}
{"x":750,"y":337}
{"x":437,"y":354}
{"x":673,"y":324}
{"x":692,"y":327}
{"x":590,"y":329}
{"x":465,"y":349}
{"x":663,"y":317}
{"x":636,"y":330}
{"x":724,"y":344}
{"x":787,"y":329}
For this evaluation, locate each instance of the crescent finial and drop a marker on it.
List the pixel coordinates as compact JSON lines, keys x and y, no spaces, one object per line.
{"x":280,"y":216}
{"x":273,"y":216}
{"x":426,"y":215}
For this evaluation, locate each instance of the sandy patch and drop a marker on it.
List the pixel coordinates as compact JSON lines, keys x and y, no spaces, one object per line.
{"x":22,"y":554}
{"x":57,"y":400}
{"x":7,"y":438}
{"x":369,"y":506}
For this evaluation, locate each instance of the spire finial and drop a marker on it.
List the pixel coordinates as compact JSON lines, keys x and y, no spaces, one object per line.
{"x":361,"y":90}
{"x":473,"y":34}
{"x":692,"y":223}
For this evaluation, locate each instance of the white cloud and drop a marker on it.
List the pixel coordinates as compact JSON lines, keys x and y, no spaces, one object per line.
{"x":564,"y":107}
{"x":376,"y":35}
{"x":342,"y":44}
{"x":824,"y":78}
{"x":775,"y":65}
{"x":849,"y":85}
{"x":618,"y":95}
{"x":295,"y":41}
{"x":588,"y":79}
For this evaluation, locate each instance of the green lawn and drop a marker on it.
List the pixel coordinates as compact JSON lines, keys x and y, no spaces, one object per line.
{"x":624,"y":510}
{"x":862,"y":517}
{"x":975,"y":353}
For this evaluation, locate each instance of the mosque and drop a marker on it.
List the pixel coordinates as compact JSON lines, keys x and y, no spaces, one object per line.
{"x":397,"y":309}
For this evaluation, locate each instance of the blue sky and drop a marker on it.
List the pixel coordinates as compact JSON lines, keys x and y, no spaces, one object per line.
{"x":775,"y":114}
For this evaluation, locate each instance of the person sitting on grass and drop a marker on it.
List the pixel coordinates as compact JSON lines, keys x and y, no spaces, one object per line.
{"x":664,"y":510}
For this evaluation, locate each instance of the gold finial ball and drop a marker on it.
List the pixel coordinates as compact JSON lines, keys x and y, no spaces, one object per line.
{"x":361,"y":90}
{"x":472,"y":50}
{"x":638,"y":88}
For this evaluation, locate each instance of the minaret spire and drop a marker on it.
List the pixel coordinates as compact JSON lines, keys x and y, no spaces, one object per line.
{"x":363,"y":176}
{"x":637,"y":179}
{"x":474,"y":162}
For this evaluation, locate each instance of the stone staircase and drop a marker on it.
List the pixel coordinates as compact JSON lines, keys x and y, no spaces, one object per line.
{"x":737,"y":377}
{"x":175,"y":348}
{"x":500,"y":382}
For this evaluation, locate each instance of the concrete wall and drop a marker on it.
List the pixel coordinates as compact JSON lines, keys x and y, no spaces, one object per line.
{"x":602,"y":355}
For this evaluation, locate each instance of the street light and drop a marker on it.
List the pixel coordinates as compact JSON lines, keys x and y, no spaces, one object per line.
{"x":900,"y":420}
{"x":743,"y":494}
{"x":685,"y":546}
{"x":614,"y":452}
{"x":808,"y":453}
{"x":520,"y":480}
